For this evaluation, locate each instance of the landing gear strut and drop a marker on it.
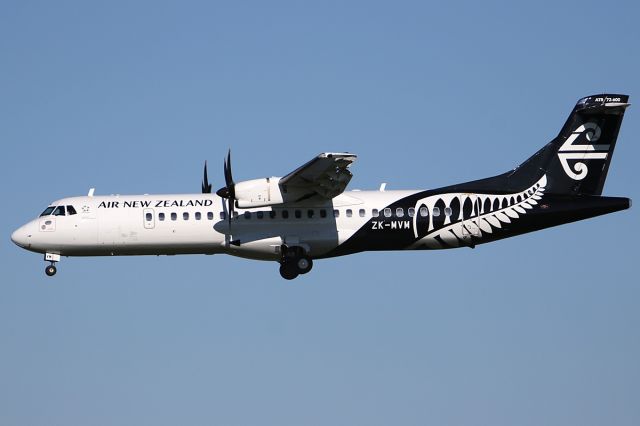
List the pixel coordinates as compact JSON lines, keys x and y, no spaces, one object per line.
{"x":294,"y":262}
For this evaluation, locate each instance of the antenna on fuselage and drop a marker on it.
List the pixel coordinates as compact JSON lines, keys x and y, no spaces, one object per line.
{"x":91,"y":191}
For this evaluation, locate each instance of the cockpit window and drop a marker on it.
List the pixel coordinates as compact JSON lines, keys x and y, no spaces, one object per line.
{"x":59,"y":211}
{"x":47,"y":211}
{"x":71,"y":210}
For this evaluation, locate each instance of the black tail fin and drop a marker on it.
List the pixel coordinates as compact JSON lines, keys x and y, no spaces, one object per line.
{"x":577,"y":160}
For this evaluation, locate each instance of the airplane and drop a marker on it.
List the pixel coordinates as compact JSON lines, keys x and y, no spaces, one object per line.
{"x":307,"y":215}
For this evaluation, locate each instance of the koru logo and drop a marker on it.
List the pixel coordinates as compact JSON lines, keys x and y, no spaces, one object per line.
{"x":569,"y":151}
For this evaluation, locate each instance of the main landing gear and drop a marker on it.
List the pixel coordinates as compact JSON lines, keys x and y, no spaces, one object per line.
{"x":294,"y":262}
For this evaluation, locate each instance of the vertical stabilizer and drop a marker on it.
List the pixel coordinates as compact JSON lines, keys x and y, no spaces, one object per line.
{"x":578,"y":159}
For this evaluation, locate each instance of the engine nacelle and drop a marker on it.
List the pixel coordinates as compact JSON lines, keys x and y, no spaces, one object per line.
{"x":258,"y":192}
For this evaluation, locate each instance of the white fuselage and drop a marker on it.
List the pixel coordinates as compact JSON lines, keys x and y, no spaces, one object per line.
{"x":197,"y":224}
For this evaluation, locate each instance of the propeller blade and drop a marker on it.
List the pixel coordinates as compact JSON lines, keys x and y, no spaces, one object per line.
{"x":228,"y":176}
{"x":232,"y":203}
{"x":206,"y":186}
{"x":228,"y":191}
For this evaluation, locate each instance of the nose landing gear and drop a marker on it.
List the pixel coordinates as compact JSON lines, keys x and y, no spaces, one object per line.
{"x":294,"y":262}
{"x":51,"y":269}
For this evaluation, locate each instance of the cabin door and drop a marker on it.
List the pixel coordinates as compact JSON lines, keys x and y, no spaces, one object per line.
{"x":149,"y":218}
{"x":470,"y":228}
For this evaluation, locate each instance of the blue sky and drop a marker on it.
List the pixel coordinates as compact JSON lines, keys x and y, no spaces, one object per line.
{"x":132,"y":97}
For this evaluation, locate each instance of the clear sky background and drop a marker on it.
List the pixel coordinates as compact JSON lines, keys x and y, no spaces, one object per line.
{"x":132,"y":97}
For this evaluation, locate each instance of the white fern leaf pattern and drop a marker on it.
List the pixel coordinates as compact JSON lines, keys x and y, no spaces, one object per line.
{"x":489,"y":212}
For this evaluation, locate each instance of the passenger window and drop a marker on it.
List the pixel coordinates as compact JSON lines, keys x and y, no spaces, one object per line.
{"x":59,"y":211}
{"x":349,"y":213}
{"x":387,"y":212}
{"x":198,"y":216}
{"x":336,"y":213}
{"x":272,"y":214}
{"x":361,"y":213}
{"x":447,"y":211}
{"x":223,"y":215}
{"x":210,"y":215}
{"x":411,"y":212}
{"x":298,"y":214}
{"x":71,"y":211}
{"x":424,"y":212}
{"x":148,"y":217}
{"x":375,"y":213}
{"x":285,"y":214}
{"x":185,"y":216}
{"x":174,"y":216}
{"x":247,"y":215}
{"x":161,"y":217}
{"x":323,"y":213}
{"x":436,"y":211}
{"x":310,"y":213}
{"x":260,"y":214}
{"x":399,"y":212}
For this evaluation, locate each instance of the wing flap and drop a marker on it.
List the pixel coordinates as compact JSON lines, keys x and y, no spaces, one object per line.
{"x":326,"y":175}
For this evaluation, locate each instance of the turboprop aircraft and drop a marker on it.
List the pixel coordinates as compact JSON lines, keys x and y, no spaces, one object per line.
{"x":307,"y":215}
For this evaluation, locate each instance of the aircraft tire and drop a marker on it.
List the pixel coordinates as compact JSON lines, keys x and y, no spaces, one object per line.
{"x":50,"y":270}
{"x":288,"y":271}
{"x":304,"y":264}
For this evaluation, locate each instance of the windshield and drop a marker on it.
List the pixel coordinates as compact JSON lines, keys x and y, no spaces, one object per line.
{"x":47,"y":211}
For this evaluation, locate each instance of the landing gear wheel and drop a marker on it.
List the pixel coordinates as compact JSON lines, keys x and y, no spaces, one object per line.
{"x":50,"y":270}
{"x":304,"y":264}
{"x":288,"y":271}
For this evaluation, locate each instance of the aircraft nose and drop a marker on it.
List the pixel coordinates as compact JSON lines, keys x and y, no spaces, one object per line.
{"x":21,"y":236}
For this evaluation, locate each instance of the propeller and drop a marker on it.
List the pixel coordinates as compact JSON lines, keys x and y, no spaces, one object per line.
{"x":228,"y":191}
{"x":206,"y":186}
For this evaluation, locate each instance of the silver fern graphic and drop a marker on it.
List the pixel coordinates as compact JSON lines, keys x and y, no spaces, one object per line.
{"x":489,"y":212}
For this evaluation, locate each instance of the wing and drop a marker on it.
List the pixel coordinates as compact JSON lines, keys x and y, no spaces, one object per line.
{"x":326,"y":175}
